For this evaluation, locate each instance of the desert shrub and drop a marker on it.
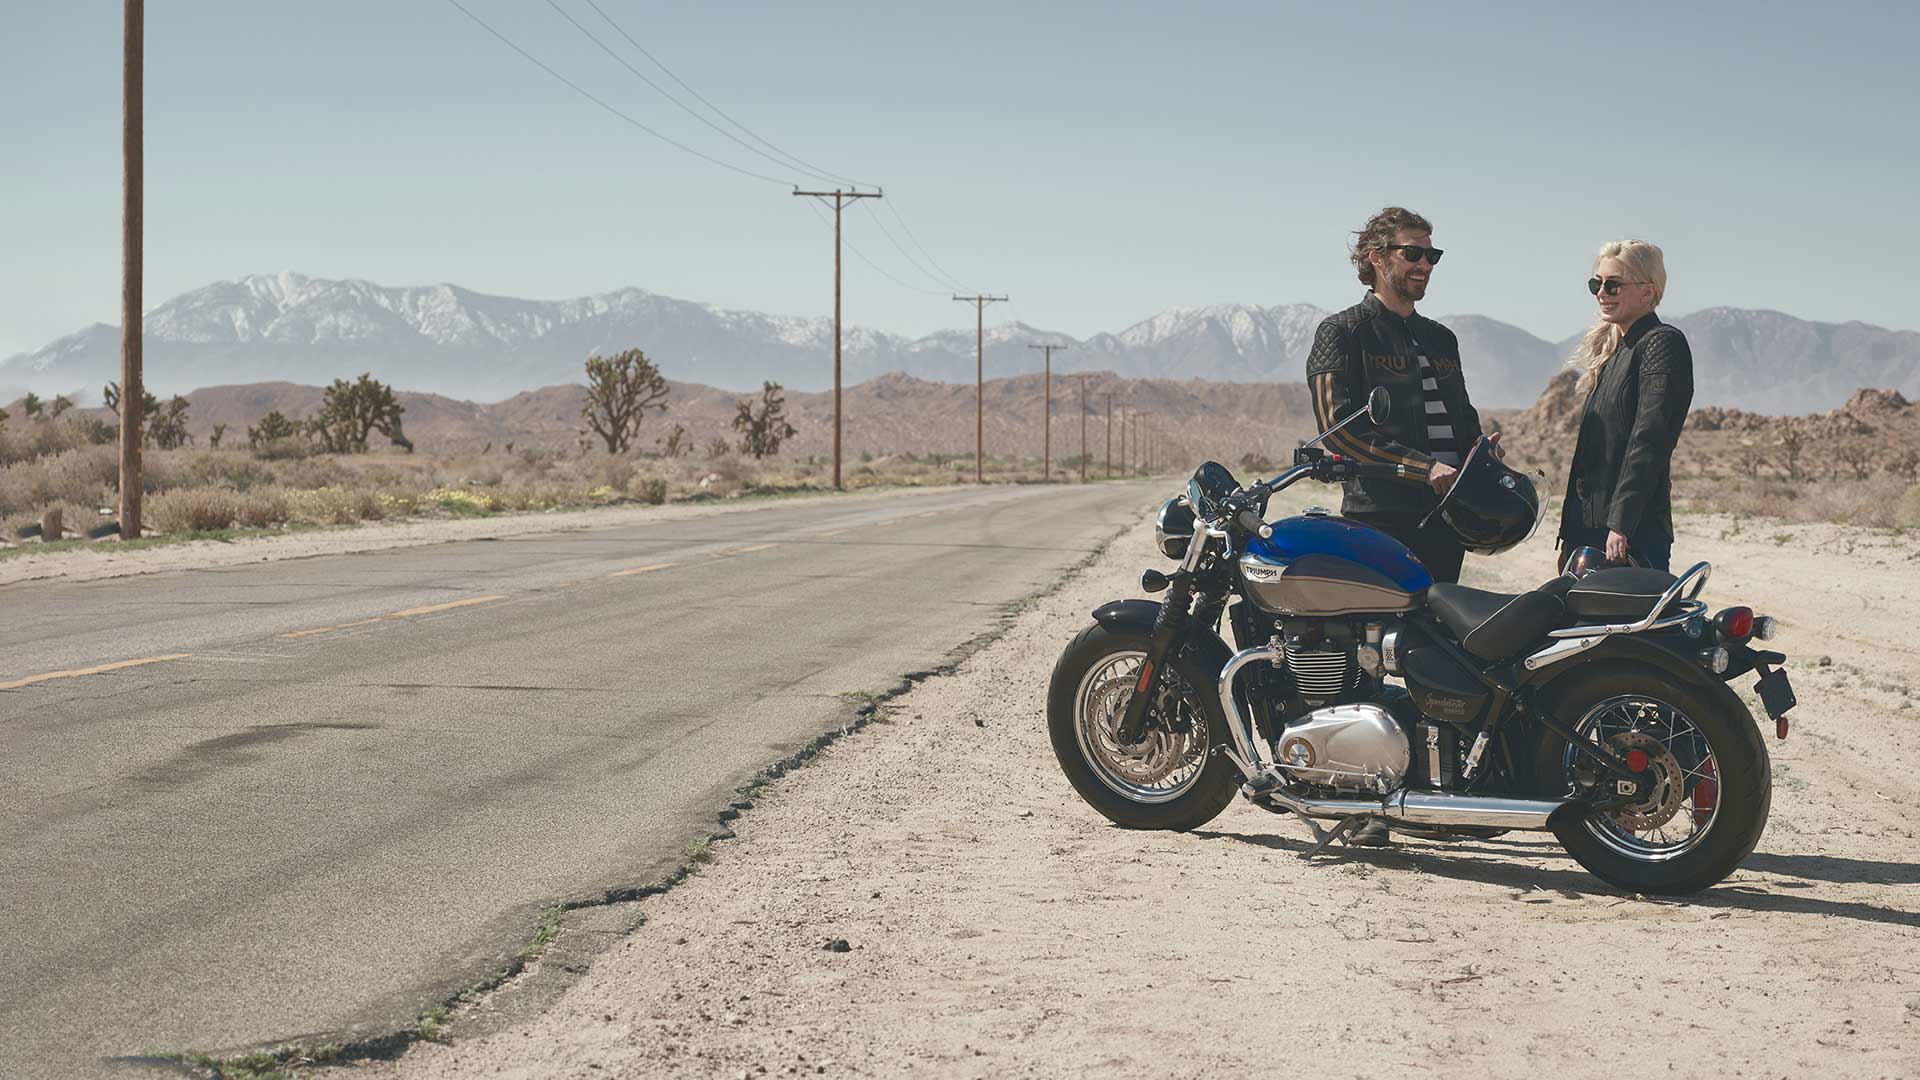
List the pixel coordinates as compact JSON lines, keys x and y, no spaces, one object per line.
{"x":616,"y":472}
{"x":651,"y":490}
{"x":1909,"y":513}
{"x":86,"y":475}
{"x":289,"y":448}
{"x":334,"y":505}
{"x":463,"y":503}
{"x":192,"y":510}
{"x":321,"y":471}
{"x":205,"y":509}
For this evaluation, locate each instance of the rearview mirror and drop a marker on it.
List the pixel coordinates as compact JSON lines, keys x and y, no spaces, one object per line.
{"x":1379,"y":405}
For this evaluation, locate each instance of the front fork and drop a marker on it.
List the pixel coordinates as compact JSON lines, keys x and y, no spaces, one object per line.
{"x":1176,"y":614}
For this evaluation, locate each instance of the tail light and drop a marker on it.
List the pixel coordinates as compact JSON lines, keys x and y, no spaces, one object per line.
{"x":1734,"y":623}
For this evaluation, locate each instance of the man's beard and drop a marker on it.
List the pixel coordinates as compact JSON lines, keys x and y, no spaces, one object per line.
{"x":1401,"y":281}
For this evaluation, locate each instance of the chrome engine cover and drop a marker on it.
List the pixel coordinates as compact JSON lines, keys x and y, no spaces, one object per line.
{"x":1356,"y":747}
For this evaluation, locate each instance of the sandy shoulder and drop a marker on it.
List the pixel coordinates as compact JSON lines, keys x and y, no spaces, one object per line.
{"x":106,"y":560}
{"x":999,"y":927}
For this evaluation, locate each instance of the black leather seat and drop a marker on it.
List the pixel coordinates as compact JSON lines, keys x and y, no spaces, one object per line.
{"x":1495,"y":626}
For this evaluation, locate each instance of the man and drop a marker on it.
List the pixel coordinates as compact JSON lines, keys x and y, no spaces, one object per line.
{"x":1383,"y":341}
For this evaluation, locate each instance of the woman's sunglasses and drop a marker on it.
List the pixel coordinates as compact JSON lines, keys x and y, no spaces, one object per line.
{"x":1414,"y":253}
{"x":1611,"y":286}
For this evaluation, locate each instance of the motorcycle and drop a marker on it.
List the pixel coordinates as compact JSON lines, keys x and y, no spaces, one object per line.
{"x":1595,"y":707}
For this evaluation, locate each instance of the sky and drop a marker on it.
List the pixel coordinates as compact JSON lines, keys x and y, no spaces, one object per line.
{"x":1098,"y":163}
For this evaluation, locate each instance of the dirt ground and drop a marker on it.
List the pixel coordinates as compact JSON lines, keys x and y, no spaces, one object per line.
{"x":996,"y":926}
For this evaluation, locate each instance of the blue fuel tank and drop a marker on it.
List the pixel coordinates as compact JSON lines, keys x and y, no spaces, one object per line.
{"x":1318,"y":565}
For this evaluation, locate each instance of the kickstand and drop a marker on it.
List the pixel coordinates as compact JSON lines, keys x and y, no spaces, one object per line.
{"x":1326,"y":837}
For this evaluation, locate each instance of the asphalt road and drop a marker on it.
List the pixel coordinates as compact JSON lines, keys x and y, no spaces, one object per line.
{"x":336,"y":790}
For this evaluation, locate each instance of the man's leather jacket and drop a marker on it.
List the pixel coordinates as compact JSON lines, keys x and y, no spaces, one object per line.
{"x":1622,"y":465}
{"x":1366,"y":346}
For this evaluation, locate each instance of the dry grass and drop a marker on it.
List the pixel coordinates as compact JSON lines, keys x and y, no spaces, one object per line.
{"x":193,"y":490}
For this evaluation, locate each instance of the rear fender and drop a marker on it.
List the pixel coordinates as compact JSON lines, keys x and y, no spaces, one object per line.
{"x":1137,"y":616}
{"x":1642,"y":650}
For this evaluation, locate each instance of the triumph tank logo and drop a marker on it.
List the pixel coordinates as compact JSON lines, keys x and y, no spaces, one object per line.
{"x":1261,"y":573}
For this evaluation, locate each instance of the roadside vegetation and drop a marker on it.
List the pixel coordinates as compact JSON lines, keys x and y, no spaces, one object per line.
{"x":351,"y":462}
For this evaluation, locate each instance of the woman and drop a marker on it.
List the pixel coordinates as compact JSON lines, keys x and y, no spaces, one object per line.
{"x":1637,"y":378}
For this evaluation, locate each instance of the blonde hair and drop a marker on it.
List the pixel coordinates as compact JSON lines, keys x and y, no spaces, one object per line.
{"x":1645,"y":263}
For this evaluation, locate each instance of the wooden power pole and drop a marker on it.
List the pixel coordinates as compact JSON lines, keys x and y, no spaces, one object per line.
{"x":1083,"y":427}
{"x":1046,"y":442}
{"x":841,"y":200}
{"x":132,"y":388}
{"x":1109,"y":434}
{"x":979,"y":370}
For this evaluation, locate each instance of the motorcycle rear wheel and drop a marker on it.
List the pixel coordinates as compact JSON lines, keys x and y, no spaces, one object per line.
{"x":1710,"y":778}
{"x":1173,"y":779}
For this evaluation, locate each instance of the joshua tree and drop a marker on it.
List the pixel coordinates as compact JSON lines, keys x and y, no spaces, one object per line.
{"x":351,"y":411}
{"x":272,"y":428}
{"x":167,"y":426}
{"x":219,"y":432}
{"x":676,"y":443}
{"x":620,"y":390}
{"x":762,"y":430}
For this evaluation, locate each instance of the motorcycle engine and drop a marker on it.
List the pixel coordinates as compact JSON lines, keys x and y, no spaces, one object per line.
{"x":1354,"y":747}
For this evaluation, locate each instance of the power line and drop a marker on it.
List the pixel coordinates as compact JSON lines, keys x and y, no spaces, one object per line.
{"x":904,"y":253}
{"x":578,"y":89}
{"x":916,"y":243}
{"x":662,"y":91}
{"x":815,"y":170}
{"x":874,"y":266}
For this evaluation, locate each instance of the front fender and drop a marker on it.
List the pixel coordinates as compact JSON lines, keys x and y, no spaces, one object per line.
{"x":1137,"y":616}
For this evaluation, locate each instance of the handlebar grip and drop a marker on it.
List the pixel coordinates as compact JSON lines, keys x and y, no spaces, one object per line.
{"x":1250,"y":522}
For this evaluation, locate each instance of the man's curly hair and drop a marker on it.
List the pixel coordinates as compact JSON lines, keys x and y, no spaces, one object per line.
{"x":1378,"y":232}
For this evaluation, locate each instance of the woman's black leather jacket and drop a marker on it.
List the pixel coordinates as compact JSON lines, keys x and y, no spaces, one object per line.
{"x":1622,"y":464}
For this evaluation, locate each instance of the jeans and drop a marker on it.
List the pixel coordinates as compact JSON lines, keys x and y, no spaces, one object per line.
{"x":1645,"y":545}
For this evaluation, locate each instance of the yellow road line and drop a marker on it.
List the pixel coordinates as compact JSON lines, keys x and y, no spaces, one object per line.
{"x":407,"y":614}
{"x":755,"y":547}
{"x":836,"y":532}
{"x":648,"y":569}
{"x":102,"y":669}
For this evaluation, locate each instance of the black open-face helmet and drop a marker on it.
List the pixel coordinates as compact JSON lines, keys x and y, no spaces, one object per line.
{"x":1490,"y":507}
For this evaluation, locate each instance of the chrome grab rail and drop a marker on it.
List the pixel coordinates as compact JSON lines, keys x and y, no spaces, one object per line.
{"x":1699,"y":571}
{"x":1578,"y":639}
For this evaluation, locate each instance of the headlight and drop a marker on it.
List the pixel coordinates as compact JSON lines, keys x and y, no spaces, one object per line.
{"x":1173,"y":528}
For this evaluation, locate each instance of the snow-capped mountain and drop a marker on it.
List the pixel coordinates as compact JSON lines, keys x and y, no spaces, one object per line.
{"x":445,"y":339}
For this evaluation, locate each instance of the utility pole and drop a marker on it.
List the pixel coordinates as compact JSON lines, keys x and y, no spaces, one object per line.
{"x":1046,"y":451}
{"x":841,"y":200}
{"x":979,"y":370}
{"x":132,"y":389}
{"x":1109,"y":430}
{"x":1083,"y":427}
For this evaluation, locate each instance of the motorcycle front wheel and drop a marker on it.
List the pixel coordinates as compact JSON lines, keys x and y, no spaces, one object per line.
{"x":1170,"y":779}
{"x":1710,"y":783}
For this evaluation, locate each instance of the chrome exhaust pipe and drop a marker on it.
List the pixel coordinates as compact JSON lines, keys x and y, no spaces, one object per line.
{"x":1431,"y":808}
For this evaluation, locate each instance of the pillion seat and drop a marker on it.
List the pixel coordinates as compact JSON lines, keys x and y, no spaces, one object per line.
{"x":1617,"y":593}
{"x":1494,"y":626}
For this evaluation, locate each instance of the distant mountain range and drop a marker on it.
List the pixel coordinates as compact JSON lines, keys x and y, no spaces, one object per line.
{"x":449,"y":340}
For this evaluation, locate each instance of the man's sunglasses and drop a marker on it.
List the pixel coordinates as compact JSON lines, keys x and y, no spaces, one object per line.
{"x":1611,"y":286}
{"x":1414,"y":253}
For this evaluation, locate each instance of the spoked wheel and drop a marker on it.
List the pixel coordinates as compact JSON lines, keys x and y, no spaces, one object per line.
{"x":1707,"y":781}
{"x":1168,"y":759}
{"x":1170,"y":778}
